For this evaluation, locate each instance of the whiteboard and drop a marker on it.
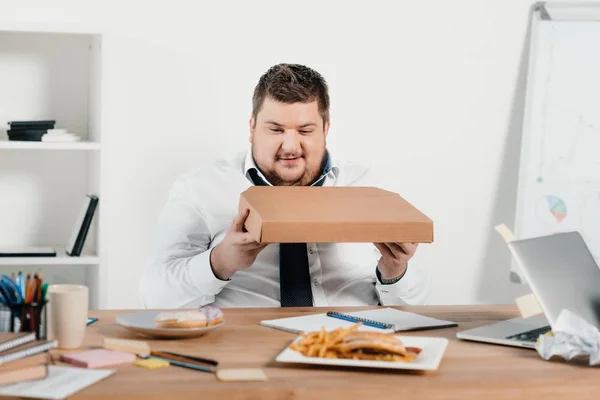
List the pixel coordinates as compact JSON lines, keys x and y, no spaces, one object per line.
{"x":559,"y":176}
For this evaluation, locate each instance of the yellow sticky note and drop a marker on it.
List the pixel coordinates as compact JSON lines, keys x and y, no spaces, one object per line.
{"x":151,"y":363}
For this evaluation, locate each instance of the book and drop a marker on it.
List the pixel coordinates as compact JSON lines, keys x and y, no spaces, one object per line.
{"x":9,"y":340}
{"x":37,"y":359}
{"x":401,"y":321}
{"x":82,"y":226}
{"x":42,"y":251}
{"x":24,"y":374}
{"x":49,"y":124}
{"x":26,"y":350}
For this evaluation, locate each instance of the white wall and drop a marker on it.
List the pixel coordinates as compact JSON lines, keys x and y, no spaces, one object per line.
{"x":428,"y":91}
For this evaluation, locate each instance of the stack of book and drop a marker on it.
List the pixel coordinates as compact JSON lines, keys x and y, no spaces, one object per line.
{"x":23,"y":358}
{"x":29,"y":131}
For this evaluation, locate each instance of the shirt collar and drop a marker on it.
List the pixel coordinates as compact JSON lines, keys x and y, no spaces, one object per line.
{"x":331,"y":167}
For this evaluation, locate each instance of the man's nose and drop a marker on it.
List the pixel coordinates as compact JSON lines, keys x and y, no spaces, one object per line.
{"x":290,"y":141}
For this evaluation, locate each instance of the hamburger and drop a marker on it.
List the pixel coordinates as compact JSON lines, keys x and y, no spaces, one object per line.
{"x":374,"y":346}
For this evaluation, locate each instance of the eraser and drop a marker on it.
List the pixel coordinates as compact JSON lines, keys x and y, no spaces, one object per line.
{"x":241,"y":375}
{"x":130,"y":346}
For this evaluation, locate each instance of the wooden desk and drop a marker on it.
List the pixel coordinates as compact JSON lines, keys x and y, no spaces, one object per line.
{"x":468,"y":371}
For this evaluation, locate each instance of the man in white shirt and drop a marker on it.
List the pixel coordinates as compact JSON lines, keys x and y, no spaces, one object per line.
{"x":202,"y":254}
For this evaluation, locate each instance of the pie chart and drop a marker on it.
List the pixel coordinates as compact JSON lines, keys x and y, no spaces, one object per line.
{"x":550,"y":211}
{"x":557,"y":207}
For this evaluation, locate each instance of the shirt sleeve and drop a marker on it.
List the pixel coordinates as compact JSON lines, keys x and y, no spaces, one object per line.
{"x":178,"y":272}
{"x":414,"y":288}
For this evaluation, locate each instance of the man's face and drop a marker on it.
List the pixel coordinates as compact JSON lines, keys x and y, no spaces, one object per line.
{"x":288,"y":142}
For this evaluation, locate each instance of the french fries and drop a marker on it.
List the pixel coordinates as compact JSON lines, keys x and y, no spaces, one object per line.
{"x":342,"y":343}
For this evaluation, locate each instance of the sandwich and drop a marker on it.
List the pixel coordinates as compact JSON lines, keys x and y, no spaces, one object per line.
{"x":374,"y":346}
{"x":351,"y":344}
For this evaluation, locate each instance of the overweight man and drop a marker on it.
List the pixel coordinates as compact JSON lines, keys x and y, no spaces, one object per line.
{"x":202,"y":255}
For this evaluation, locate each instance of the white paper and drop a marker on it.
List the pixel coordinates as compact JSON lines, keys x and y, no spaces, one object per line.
{"x":572,"y":336}
{"x":60,"y":383}
{"x":402,"y":320}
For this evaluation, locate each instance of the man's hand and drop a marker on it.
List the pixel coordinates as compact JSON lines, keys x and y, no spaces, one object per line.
{"x":237,"y":251}
{"x":394,"y":258}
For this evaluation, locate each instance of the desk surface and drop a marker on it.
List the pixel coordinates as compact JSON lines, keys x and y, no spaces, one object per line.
{"x":468,"y":370}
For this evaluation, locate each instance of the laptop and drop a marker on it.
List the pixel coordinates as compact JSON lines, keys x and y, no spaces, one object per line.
{"x":562,"y":273}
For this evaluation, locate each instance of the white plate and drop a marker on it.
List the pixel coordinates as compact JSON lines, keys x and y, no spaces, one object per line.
{"x":428,"y":360}
{"x":144,"y":323}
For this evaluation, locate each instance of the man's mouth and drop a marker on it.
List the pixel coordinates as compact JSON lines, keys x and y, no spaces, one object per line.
{"x":290,"y":160}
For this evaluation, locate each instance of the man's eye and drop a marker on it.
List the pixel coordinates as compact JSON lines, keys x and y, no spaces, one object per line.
{"x":305,"y":132}
{"x":276,"y":130}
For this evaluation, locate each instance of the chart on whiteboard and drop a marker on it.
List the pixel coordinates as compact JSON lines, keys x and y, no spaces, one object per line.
{"x":559,"y":183}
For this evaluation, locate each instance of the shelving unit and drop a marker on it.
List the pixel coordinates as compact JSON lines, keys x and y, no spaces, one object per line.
{"x":5,"y":144}
{"x":51,"y":73}
{"x":62,"y":258}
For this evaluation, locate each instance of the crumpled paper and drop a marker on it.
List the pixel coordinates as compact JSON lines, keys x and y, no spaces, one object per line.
{"x":572,"y":336}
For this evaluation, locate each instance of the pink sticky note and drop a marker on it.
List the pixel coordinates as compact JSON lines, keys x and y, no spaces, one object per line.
{"x":98,"y":358}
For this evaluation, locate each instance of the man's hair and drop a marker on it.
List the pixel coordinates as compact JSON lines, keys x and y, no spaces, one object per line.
{"x":292,"y":83}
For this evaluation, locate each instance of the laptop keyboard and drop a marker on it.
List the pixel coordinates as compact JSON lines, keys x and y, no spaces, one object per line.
{"x":530,"y":336}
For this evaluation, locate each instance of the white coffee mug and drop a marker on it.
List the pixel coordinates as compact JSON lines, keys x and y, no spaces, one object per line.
{"x":67,"y":314}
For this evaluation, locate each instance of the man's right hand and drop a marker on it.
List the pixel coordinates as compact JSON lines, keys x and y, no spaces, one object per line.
{"x":237,"y":251}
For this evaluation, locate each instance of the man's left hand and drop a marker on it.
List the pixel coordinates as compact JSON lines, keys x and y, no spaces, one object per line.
{"x":394,"y":258}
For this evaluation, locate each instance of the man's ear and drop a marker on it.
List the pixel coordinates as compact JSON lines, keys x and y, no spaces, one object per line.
{"x":252,"y":124}
{"x":326,"y":128}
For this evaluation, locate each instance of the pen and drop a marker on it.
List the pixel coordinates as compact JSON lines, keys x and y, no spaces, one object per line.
{"x":185,"y":364}
{"x":44,"y":291}
{"x":21,"y":285}
{"x":184,"y":359}
{"x":368,"y":322}
{"x":38,"y":297}
{"x":27,"y":285}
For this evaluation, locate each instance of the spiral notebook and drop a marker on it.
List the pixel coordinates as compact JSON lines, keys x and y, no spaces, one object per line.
{"x":8,"y":340}
{"x":25,"y":350}
{"x":399,"y":321}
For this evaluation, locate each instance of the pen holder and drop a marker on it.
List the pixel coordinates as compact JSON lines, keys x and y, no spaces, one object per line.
{"x":26,"y":317}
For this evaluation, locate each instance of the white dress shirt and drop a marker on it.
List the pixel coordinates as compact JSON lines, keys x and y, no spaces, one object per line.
{"x":201,"y":207}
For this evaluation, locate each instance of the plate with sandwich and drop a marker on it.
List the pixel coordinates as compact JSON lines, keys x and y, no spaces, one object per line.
{"x":175,"y":323}
{"x":348,"y":347}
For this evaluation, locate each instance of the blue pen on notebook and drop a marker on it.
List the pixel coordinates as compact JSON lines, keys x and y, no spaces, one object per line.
{"x":368,"y":322}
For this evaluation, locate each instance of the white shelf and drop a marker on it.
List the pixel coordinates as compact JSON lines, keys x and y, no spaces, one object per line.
{"x":17,"y":145}
{"x":61,"y":259}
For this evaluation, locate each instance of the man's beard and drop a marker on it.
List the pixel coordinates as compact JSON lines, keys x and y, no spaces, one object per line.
{"x":310,"y":175}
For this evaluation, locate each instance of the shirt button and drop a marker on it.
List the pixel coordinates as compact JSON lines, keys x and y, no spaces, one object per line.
{"x":316,"y":282}
{"x":310,"y":251}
